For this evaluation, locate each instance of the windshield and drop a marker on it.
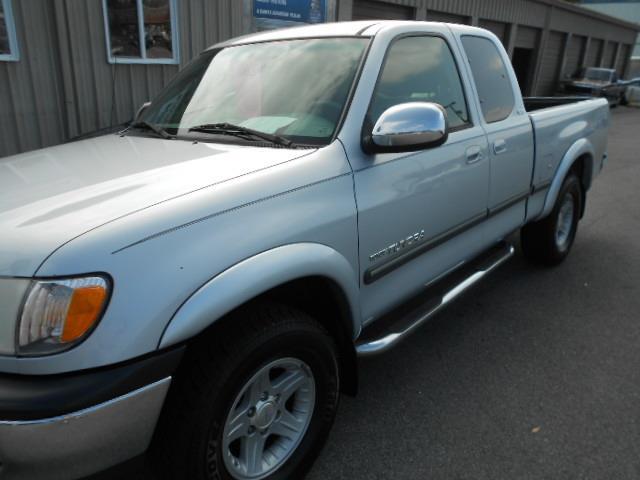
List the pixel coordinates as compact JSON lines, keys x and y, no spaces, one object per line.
{"x":598,"y":74}
{"x":296,"y":89}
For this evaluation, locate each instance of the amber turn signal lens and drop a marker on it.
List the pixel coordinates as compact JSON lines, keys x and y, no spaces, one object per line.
{"x":84,"y":310}
{"x":59,"y":313}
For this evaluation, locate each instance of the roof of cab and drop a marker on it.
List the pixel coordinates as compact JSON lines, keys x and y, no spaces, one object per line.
{"x":364,"y":28}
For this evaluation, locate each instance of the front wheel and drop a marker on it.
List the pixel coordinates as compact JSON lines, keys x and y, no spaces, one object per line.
{"x":549,"y":240}
{"x":255,"y":401}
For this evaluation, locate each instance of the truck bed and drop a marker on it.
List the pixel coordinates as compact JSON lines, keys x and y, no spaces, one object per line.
{"x":559,"y":124}
{"x":538,"y":103}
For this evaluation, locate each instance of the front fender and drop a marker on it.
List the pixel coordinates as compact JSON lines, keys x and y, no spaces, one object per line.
{"x":580,"y":148}
{"x":256,"y":275}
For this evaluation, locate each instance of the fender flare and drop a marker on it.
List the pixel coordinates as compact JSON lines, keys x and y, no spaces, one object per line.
{"x":256,"y":275}
{"x":581,"y":147}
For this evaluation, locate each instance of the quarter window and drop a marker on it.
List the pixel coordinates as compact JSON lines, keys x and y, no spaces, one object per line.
{"x":491,"y":78}
{"x":421,"y":69}
{"x":8,"y":41}
{"x":141,"y":31}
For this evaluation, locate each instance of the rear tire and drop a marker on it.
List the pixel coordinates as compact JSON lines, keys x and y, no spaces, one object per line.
{"x":267,"y":382}
{"x":549,"y":241}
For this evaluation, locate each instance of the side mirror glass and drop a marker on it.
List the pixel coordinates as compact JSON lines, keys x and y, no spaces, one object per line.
{"x":141,"y":111}
{"x":408,"y":127}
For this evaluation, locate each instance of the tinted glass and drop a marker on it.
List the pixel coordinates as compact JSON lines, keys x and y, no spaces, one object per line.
{"x":598,"y":74}
{"x":157,"y":28}
{"x":5,"y":49}
{"x":297,"y":89}
{"x":491,"y":78}
{"x":124,"y":30}
{"x":420,"y":69}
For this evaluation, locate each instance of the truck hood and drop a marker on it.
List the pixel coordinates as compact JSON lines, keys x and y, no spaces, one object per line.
{"x":50,"y":196}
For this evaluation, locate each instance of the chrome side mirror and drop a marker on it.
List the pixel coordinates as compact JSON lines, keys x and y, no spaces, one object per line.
{"x":408,"y":127}
{"x":141,"y":111}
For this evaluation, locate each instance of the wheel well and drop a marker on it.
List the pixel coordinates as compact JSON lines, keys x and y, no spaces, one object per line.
{"x":322,"y":299}
{"x":583,"y":167}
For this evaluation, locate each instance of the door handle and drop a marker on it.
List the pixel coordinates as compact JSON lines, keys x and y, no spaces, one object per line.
{"x":474,"y":154}
{"x":499,"y":146}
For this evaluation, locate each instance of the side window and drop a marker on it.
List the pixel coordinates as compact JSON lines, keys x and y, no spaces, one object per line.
{"x":8,"y":41}
{"x":421,"y":69}
{"x":141,"y":31}
{"x":491,"y":78}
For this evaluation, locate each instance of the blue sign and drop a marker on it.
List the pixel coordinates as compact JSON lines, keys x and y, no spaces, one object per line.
{"x":303,"y":11}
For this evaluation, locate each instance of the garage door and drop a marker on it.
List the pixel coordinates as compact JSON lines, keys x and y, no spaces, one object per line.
{"x":550,"y":66}
{"x":574,"y":54}
{"x":372,"y":10}
{"x":593,"y":55}
{"x":609,"y":55}
{"x":527,"y":37}
{"x":434,"y":16}
{"x":499,"y":29}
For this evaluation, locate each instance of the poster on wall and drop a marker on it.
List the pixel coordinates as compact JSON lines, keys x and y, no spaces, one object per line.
{"x":289,"y":12}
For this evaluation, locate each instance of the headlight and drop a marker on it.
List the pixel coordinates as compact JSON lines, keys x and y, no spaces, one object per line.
{"x":60,"y":313}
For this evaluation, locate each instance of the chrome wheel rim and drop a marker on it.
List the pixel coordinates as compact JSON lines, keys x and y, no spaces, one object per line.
{"x":564,"y":225}
{"x":268,"y":419}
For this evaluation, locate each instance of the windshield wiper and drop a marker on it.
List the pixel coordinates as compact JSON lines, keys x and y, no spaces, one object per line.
{"x":142,"y":125}
{"x":240,"y":131}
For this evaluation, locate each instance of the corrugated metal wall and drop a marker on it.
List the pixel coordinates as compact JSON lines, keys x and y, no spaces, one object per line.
{"x":550,"y":66}
{"x":31,"y":104}
{"x":593,"y":53}
{"x":527,"y":37}
{"x":609,"y":53}
{"x":499,"y":29}
{"x":63,"y":85}
{"x":108,"y":94}
{"x":371,"y":10}
{"x":574,"y":54}
{"x":436,"y":16}
{"x":623,"y":59}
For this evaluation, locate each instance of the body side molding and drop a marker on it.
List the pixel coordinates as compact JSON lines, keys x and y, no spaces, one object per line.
{"x":259,"y":274}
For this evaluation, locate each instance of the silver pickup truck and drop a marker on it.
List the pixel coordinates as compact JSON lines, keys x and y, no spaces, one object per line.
{"x":200,"y":285}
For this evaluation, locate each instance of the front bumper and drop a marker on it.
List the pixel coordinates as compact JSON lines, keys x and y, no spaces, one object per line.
{"x":47,"y":432}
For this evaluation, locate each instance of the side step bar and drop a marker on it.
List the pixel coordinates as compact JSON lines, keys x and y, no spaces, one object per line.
{"x":386,"y":332}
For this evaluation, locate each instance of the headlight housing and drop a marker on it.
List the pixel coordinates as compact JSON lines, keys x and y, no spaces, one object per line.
{"x":60,"y":313}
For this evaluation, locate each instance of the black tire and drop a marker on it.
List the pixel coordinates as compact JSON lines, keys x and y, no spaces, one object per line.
{"x":188,"y":440}
{"x":539,"y":240}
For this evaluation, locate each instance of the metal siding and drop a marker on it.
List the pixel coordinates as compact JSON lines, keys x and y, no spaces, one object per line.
{"x":507,"y":11}
{"x":499,"y":29}
{"x":63,"y":85}
{"x":434,"y":16}
{"x":372,"y":10}
{"x":573,"y":22}
{"x":527,"y":37}
{"x":30,"y":104}
{"x":550,"y":66}
{"x":609,"y":55}
{"x":593,"y":54}
{"x":574,"y":53}
{"x":623,"y":58}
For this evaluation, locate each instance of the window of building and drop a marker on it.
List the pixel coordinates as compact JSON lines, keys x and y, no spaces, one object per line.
{"x":141,"y":31}
{"x":421,"y":69}
{"x":491,"y":78}
{"x":8,"y":41}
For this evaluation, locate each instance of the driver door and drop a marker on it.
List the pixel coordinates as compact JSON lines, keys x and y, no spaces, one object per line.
{"x":420,"y":213}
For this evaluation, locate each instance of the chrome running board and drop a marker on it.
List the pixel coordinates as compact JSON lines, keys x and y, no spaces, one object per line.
{"x":385,"y":333}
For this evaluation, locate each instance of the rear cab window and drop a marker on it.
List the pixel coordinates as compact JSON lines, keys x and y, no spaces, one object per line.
{"x":491,"y":78}
{"x":421,"y":69}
